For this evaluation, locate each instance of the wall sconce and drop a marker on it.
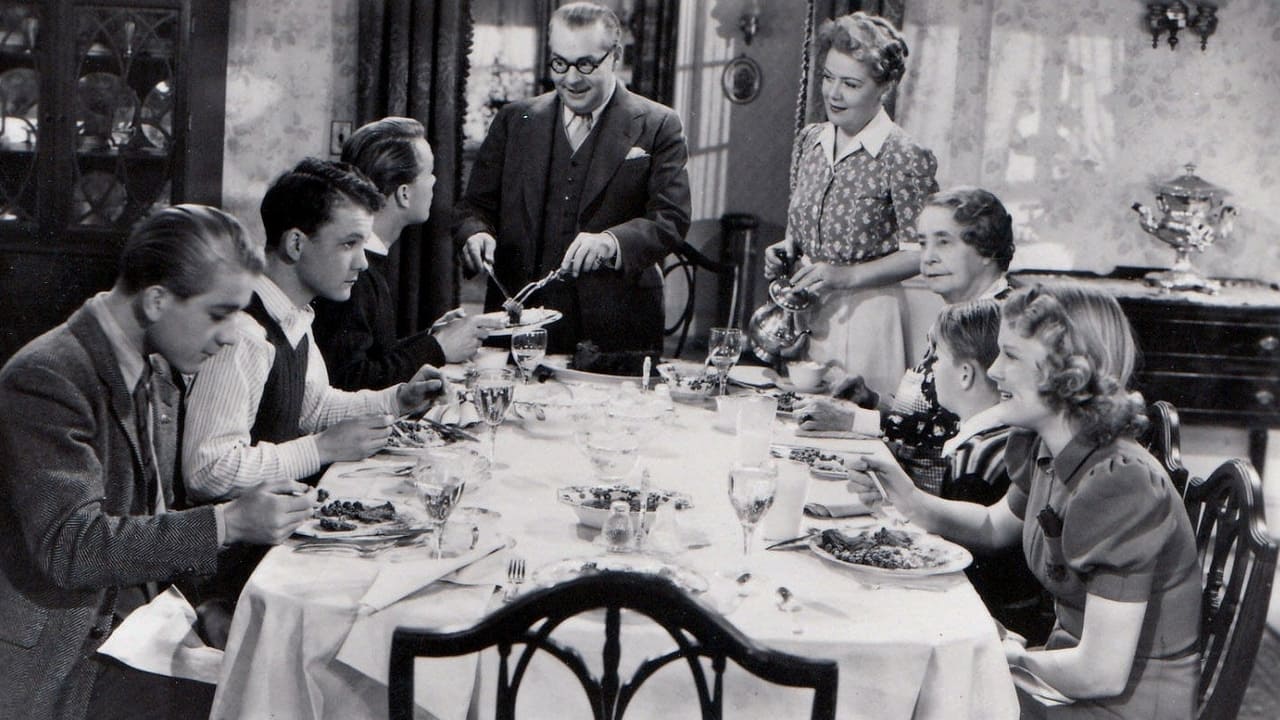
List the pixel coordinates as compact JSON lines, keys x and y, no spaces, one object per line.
{"x":749,"y":23}
{"x":1173,"y":16}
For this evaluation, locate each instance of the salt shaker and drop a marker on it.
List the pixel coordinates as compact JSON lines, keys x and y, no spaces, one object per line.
{"x":617,"y":529}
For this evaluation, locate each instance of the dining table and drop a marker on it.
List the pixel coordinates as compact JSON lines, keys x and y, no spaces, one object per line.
{"x":312,"y":630}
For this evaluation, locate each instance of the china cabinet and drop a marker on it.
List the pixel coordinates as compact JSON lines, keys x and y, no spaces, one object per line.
{"x":107,"y":110}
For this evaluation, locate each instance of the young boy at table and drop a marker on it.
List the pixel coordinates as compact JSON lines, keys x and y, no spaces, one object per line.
{"x":965,"y":346}
{"x":1100,"y":524}
{"x":263,"y":410}
{"x":87,"y":524}
{"x":358,"y":337}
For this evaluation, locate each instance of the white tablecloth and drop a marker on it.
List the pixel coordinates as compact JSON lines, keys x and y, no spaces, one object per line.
{"x":300,"y":647}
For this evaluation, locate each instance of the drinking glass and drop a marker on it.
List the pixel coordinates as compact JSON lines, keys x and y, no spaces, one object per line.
{"x":751,"y":492}
{"x":439,"y":497}
{"x":723,"y":351}
{"x":492,"y":393}
{"x":528,"y":347}
{"x":608,"y":444}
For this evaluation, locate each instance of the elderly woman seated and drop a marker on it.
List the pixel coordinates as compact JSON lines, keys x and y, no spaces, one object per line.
{"x":966,"y":240}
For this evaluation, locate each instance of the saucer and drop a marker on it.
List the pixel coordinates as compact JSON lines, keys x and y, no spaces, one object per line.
{"x":786,"y":385}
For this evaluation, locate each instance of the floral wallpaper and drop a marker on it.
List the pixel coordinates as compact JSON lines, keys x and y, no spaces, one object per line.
{"x":1067,"y":113}
{"x":291,"y":69}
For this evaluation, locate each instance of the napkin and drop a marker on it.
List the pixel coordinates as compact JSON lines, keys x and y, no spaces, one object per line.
{"x":396,"y":581}
{"x":835,"y":498}
{"x":461,"y":414}
{"x":1033,"y":685}
{"x":160,"y":638}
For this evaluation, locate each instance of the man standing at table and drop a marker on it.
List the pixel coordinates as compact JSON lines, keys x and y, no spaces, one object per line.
{"x":358,"y":337}
{"x":589,"y":178}
{"x":263,"y":410}
{"x":86,"y":524}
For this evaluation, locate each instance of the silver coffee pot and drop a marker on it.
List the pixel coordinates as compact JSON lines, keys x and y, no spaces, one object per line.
{"x":778,"y":329}
{"x":1193,"y":216}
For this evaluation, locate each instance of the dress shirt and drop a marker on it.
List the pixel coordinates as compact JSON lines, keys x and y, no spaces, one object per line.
{"x":219,"y":458}
{"x":132,"y":365}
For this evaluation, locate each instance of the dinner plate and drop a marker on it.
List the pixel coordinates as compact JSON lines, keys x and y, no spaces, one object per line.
{"x":530,"y":318}
{"x":756,"y":375}
{"x":560,"y":571}
{"x":559,"y":367}
{"x":408,"y":521}
{"x":951,"y":557}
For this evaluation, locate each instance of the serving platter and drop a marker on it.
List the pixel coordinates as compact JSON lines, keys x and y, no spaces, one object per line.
{"x":943,"y":556}
{"x":529,"y":318}
{"x":591,"y":502}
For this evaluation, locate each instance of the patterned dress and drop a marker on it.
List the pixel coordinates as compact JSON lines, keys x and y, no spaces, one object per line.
{"x":855,"y":209}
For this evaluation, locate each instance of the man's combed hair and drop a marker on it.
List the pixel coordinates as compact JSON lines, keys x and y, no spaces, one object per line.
{"x":384,"y":151}
{"x":867,"y":38}
{"x":583,"y":14}
{"x":1090,"y":356}
{"x":971,"y":331}
{"x":304,"y":197}
{"x":184,"y":248}
{"x":987,"y":226}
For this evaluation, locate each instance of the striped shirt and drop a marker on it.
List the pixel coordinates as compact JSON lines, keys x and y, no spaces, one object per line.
{"x":218,"y":457}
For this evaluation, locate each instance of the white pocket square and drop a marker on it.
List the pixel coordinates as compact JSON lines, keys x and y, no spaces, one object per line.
{"x":636,"y":152}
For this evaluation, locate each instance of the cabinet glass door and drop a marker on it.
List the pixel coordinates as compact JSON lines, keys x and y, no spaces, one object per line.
{"x":20,"y":81}
{"x":124,"y":108}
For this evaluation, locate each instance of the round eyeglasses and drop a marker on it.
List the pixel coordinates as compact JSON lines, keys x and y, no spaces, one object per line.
{"x":585,"y":65}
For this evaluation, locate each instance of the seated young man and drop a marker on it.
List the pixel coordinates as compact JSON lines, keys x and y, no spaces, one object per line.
{"x":263,"y":409}
{"x":86,"y":497}
{"x":358,"y":337}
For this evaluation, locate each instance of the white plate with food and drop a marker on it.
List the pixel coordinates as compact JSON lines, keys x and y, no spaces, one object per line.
{"x":362,"y":518}
{"x":890,"y":552}
{"x":563,"y":570}
{"x":591,"y":502}
{"x":499,"y":322}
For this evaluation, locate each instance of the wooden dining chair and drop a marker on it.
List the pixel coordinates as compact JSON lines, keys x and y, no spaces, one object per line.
{"x":1238,"y":560}
{"x":698,"y":633}
{"x":1163,"y":440}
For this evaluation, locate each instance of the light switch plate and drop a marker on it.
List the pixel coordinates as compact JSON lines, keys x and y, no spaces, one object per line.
{"x":339,"y":131}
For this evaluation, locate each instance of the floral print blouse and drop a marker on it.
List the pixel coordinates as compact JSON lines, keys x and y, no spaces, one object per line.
{"x":862,"y":207}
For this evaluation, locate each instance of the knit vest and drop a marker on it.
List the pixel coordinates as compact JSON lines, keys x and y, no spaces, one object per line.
{"x":281,"y":406}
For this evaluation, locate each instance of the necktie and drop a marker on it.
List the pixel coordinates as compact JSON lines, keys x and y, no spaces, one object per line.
{"x":142,"y":416}
{"x":578,"y":129}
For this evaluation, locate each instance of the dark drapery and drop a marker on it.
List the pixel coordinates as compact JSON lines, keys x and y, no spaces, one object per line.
{"x":413,"y":63}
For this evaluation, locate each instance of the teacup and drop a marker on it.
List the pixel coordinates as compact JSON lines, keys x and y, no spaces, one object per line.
{"x":806,"y":375}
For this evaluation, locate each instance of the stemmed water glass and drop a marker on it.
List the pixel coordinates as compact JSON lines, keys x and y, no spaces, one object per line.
{"x":439,"y":485}
{"x":528,"y":347}
{"x":723,"y":351}
{"x":492,"y":393}
{"x":751,"y":492}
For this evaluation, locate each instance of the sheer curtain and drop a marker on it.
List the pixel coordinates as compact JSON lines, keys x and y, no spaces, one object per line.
{"x":413,"y":63}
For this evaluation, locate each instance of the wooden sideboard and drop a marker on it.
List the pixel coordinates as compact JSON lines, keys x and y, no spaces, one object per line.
{"x":1215,"y":357}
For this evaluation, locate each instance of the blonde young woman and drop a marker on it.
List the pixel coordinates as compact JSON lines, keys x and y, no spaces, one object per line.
{"x":1100,"y":524}
{"x":859,"y":183}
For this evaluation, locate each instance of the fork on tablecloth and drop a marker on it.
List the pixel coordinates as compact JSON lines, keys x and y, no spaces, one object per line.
{"x":515,"y":576}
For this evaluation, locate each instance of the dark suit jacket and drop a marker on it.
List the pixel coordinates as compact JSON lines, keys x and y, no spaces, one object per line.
{"x":358,"y":337}
{"x":70,"y":468}
{"x":644,"y":201}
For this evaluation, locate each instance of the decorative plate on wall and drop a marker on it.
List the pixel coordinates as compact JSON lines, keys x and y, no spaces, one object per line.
{"x":741,"y":80}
